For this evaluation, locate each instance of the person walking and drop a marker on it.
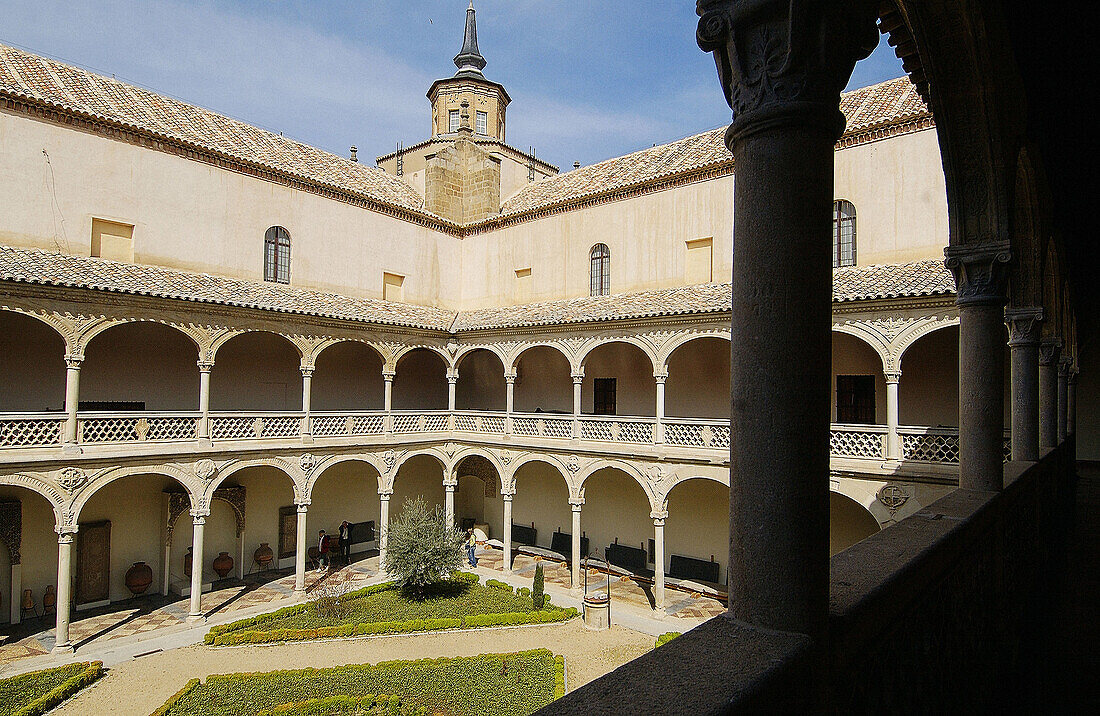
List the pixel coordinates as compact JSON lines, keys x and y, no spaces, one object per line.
{"x":345,"y":542}
{"x":324,"y":544}
{"x":471,"y":548}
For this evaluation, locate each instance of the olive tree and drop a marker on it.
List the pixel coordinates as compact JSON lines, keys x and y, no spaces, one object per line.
{"x":421,"y":549}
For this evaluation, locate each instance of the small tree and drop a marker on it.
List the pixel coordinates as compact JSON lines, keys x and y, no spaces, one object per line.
{"x":421,"y":549}
{"x":538,"y":596}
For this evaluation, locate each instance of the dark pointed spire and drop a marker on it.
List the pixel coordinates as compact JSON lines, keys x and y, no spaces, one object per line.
{"x":469,"y":59}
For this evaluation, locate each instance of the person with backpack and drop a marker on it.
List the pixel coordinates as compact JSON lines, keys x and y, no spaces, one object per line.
{"x":324,"y":545}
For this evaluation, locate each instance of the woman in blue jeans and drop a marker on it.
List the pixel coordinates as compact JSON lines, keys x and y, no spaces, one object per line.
{"x":471,"y":546}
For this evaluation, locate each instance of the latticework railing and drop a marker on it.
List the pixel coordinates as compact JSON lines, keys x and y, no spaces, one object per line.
{"x":858,"y":441}
{"x":542,"y":426}
{"x":486,"y":423}
{"x":930,"y":445}
{"x":698,"y":433}
{"x":255,"y":426}
{"x":347,"y":424}
{"x":616,"y":430}
{"x":137,"y":427}
{"x":421,"y":422}
{"x":31,"y":430}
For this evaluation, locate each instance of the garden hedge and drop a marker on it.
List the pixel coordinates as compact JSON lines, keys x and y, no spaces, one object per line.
{"x":666,"y":638}
{"x":167,"y":705}
{"x":341,"y":704}
{"x":559,"y":677}
{"x":80,"y":675}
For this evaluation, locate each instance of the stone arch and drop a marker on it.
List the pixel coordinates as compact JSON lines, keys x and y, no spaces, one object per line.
{"x":484,"y":453}
{"x":219,"y":342}
{"x":324,"y":345}
{"x":441,"y":457}
{"x":186,"y":480}
{"x":63,"y":331}
{"x":480,"y":382}
{"x":97,"y":328}
{"x":586,"y":472}
{"x":403,"y":351}
{"x":681,"y":480}
{"x":293,"y":472}
{"x":868,"y":337}
{"x":919,"y":330}
{"x":558,"y":467}
{"x":682,"y":339}
{"x":333,"y":460}
{"x":586,"y":349}
{"x":866,"y":498}
{"x":698,"y":374}
{"x":45,"y":489}
{"x":513,"y":361}
{"x":466,"y":350}
{"x":857,"y":524}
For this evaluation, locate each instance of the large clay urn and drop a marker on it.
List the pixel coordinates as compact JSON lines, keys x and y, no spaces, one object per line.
{"x":49,"y":599}
{"x":187,"y":560}
{"x":28,"y":600}
{"x":223,"y":564}
{"x":138,"y":578}
{"x":263,"y":554}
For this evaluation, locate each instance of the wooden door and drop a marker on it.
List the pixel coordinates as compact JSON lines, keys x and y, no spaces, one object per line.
{"x":288,"y":531}
{"x":93,"y":562}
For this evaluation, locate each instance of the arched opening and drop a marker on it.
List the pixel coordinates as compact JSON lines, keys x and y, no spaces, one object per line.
{"x":420,"y":382}
{"x":35,"y":567}
{"x":32,"y":365}
{"x":543,"y":382}
{"x":477,"y":497}
{"x":418,"y":476}
{"x":849,"y":522}
{"x":697,"y":531}
{"x":859,"y":386}
{"x":347,"y":376}
{"x":219,"y":535}
{"x":272,"y":517}
{"x":618,"y":380}
{"x":616,"y":514}
{"x":540,"y":507}
{"x":256,"y":371}
{"x":481,"y":383}
{"x":698,"y":383}
{"x":928,"y":393}
{"x":347,"y":491}
{"x":141,"y":365}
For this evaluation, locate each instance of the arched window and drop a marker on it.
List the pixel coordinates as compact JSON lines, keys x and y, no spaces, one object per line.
{"x":277,"y":255}
{"x":844,"y":233}
{"x":599,"y":281}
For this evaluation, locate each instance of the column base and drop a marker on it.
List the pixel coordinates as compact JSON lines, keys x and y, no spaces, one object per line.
{"x":64,"y":649}
{"x":196,"y":618}
{"x":660,"y":613}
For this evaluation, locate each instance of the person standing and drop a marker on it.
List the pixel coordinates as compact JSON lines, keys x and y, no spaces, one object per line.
{"x":323,"y":547}
{"x":345,"y":542}
{"x":471,"y":548}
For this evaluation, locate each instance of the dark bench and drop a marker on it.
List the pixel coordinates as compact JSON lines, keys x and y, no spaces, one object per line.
{"x":563,"y":542}
{"x":696,"y":570}
{"x":633,"y":559}
{"x":524,"y":534}
{"x":362,"y":532}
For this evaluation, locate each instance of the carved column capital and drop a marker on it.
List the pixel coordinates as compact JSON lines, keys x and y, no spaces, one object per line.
{"x":1023,"y":326}
{"x":659,"y":517}
{"x":1065,"y":361}
{"x":388,"y":375}
{"x":66,"y":534}
{"x":576,"y":503}
{"x":1049,"y":349}
{"x":783,"y":62}
{"x":660,"y":378}
{"x":73,"y":360}
{"x":385,"y":494}
{"x":508,"y":496}
{"x":199,"y":516}
{"x":205,"y":366}
{"x":892,"y":376}
{"x":981,"y":272}
{"x":307,"y":371}
{"x":303,"y":506}
{"x":510,"y":378}
{"x":578,"y":378}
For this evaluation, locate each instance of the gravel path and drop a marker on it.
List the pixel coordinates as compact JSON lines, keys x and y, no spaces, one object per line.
{"x":139,"y":686}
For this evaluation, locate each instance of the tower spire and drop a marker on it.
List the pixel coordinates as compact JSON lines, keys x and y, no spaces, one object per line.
{"x":469,"y":59}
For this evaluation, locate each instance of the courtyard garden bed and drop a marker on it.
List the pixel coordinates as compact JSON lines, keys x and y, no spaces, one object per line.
{"x":456,"y":603}
{"x":489,"y":684}
{"x":37,"y":692}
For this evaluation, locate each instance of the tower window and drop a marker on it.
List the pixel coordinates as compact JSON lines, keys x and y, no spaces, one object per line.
{"x":277,"y":255}
{"x":482,"y":123}
{"x":844,"y":233}
{"x":453,"y":119}
{"x":599,"y":283}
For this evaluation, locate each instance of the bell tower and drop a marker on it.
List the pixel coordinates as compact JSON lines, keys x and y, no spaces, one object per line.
{"x":487,"y":101}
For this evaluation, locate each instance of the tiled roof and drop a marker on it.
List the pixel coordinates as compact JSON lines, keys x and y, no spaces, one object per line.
{"x":47,"y":268}
{"x":918,"y":278}
{"x":887,"y":103}
{"x":25,"y":75}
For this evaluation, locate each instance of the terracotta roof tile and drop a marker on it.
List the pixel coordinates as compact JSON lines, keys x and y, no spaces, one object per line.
{"x":23,"y":74}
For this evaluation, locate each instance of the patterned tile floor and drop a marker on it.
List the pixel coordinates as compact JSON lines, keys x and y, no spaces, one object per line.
{"x":152,"y":612}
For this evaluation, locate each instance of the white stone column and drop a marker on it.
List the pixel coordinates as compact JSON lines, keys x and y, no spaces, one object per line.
{"x":1023,"y":341}
{"x":575,"y":553}
{"x":383,"y":527}
{"x":450,"y":482}
{"x":387,"y":421}
{"x":1063,"y":395}
{"x":300,"y":548}
{"x":452,"y":383}
{"x":509,"y":402}
{"x":16,"y":592}
{"x":578,"y":381}
{"x":204,"y":400}
{"x":1049,"y":349}
{"x":72,"y":397}
{"x":893,"y":439}
{"x":198,"y":518}
{"x":659,"y":518}
{"x":659,"y":427}
{"x":507,"y":498}
{"x":65,"y":538}
{"x":166,"y":571}
{"x":307,"y":390}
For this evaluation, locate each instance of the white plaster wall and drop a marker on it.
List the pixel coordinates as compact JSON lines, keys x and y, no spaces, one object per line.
{"x":420,"y":382}
{"x":542,"y":497}
{"x":543,"y":381}
{"x":38,"y":549}
{"x":615,"y":506}
{"x":345,"y":491}
{"x":197,"y":217}
{"x":348,"y":376}
{"x":635,"y":387}
{"x":419,"y":476}
{"x":698,"y":523}
{"x":256,"y":371}
{"x":481,"y":384}
{"x":266,"y":490}
{"x":698,"y":383}
{"x":852,"y":356}
{"x":142,"y":361}
{"x":32,"y":365}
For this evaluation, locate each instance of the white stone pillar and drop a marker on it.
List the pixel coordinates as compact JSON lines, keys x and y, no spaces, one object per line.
{"x":307,"y":389}
{"x":1063,"y":395}
{"x":659,"y":518}
{"x":575,"y":553}
{"x":387,"y":421}
{"x":893,"y":439}
{"x":452,"y":383}
{"x":204,"y":400}
{"x":1023,"y":341}
{"x":166,"y":571}
{"x":72,"y":397}
{"x":65,"y":538}
{"x":198,"y":518}
{"x":659,"y":427}
{"x":578,"y":381}
{"x":1049,"y":349}
{"x":383,"y":528}
{"x":507,"y":498}
{"x":300,"y":548}
{"x":509,"y":402}
{"x":449,"y":484}
{"x":16,"y":592}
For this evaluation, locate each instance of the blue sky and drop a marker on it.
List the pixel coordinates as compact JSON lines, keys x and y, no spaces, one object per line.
{"x":589,"y":79}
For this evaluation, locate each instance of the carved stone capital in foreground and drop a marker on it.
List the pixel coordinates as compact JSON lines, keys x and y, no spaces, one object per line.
{"x":785,"y":61}
{"x":981,"y":272}
{"x":1023,"y":326}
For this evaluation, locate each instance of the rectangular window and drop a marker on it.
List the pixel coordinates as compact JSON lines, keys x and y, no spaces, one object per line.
{"x":453,"y":121}
{"x":393,"y":286}
{"x":482,"y":123}
{"x":855,"y":399}
{"x":603,"y":400}
{"x":112,"y":240}
{"x":699,"y":261}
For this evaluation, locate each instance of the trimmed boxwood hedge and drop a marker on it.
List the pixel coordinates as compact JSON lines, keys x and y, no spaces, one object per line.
{"x":666,"y":638}
{"x":278,"y":626}
{"x":340,"y":704}
{"x":37,"y":692}
{"x":489,"y":685}
{"x":167,"y":705}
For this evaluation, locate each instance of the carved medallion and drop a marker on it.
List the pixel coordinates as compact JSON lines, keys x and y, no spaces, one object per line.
{"x":892,"y":497}
{"x":71,"y":478}
{"x":307,"y":461}
{"x":205,"y":469}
